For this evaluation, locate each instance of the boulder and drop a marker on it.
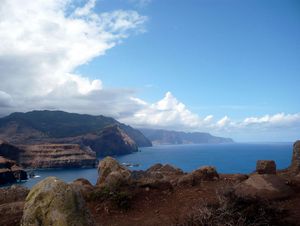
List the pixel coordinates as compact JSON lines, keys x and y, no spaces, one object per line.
{"x":266,"y":167}
{"x":53,"y":202}
{"x":186,"y":180}
{"x":163,"y":172}
{"x":295,"y":166}
{"x":19,"y":173}
{"x":83,"y":186}
{"x":263,"y":186}
{"x":111,"y":173}
{"x":205,"y":173}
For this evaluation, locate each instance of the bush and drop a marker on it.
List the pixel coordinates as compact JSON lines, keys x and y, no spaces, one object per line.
{"x":233,"y":211}
{"x":119,"y":199}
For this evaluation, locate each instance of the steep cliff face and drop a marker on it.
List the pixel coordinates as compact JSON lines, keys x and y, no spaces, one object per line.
{"x":112,"y":140}
{"x":159,"y":137}
{"x":57,"y":156}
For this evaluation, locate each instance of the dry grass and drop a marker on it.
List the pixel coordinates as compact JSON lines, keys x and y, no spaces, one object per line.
{"x":233,"y":211}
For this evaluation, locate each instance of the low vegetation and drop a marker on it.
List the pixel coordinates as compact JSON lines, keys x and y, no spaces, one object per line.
{"x":233,"y":211}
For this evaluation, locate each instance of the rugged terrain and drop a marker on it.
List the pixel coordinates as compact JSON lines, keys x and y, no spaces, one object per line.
{"x":162,"y":195}
{"x":49,"y":155}
{"x":38,"y":127}
{"x":161,"y":137}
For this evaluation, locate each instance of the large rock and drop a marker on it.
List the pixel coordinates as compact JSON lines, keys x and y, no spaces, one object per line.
{"x":53,"y":202}
{"x":295,"y":166}
{"x":111,"y":173}
{"x":205,"y":173}
{"x":263,"y":186}
{"x":266,"y":167}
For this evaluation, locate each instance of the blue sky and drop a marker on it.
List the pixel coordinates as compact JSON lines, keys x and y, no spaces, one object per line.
{"x":228,"y":67}
{"x":237,"y":58}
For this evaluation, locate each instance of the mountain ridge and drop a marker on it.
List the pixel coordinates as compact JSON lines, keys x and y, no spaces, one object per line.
{"x":163,"y":137}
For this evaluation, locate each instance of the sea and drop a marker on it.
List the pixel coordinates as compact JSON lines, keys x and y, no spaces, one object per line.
{"x":227,"y":158}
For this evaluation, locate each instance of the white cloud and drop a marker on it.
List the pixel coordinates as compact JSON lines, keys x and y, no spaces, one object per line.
{"x":42,"y":43}
{"x":169,"y":113}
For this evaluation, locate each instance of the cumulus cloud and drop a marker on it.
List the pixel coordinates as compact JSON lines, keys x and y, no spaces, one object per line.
{"x":43,"y":42}
{"x":169,"y":113}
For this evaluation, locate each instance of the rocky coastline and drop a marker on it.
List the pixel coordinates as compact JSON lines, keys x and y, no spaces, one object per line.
{"x":161,"y":195}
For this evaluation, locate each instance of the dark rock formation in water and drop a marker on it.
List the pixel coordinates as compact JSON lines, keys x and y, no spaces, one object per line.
{"x":266,"y":167}
{"x":10,"y":172}
{"x":158,"y":137}
{"x":53,"y":202}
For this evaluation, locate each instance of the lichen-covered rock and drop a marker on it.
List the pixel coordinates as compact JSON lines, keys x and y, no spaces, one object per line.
{"x":266,"y":167}
{"x":263,"y":186}
{"x":53,"y":202}
{"x":205,"y":173}
{"x":295,"y":166}
{"x":112,"y":173}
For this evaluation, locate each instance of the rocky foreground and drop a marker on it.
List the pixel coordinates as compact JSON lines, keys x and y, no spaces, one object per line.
{"x":161,"y":195}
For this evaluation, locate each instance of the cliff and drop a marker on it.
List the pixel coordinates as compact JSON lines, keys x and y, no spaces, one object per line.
{"x":49,"y":155}
{"x":57,"y":156}
{"x":160,"y":137}
{"x":10,"y":172}
{"x":112,"y":140}
{"x":45,"y":126}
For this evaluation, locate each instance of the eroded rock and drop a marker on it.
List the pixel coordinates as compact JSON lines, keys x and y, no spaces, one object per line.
{"x":53,"y":202}
{"x":205,"y":173}
{"x":266,"y":167}
{"x":111,"y":173}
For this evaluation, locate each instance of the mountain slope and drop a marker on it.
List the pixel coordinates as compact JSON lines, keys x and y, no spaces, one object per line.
{"x":39,"y":126}
{"x":174,"y":137}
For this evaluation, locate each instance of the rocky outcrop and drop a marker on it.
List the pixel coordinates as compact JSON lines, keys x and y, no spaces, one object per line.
{"x":205,"y":173}
{"x":263,"y":186}
{"x":57,"y":156}
{"x":53,"y":202}
{"x":111,"y":173}
{"x":83,"y":186}
{"x":266,"y":167}
{"x":295,"y":166}
{"x":10,"y":172}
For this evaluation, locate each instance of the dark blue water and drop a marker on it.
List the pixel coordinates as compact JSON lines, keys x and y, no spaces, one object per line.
{"x":227,"y":158}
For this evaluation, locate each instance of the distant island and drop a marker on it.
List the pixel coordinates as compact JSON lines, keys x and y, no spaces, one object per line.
{"x":163,"y":137}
